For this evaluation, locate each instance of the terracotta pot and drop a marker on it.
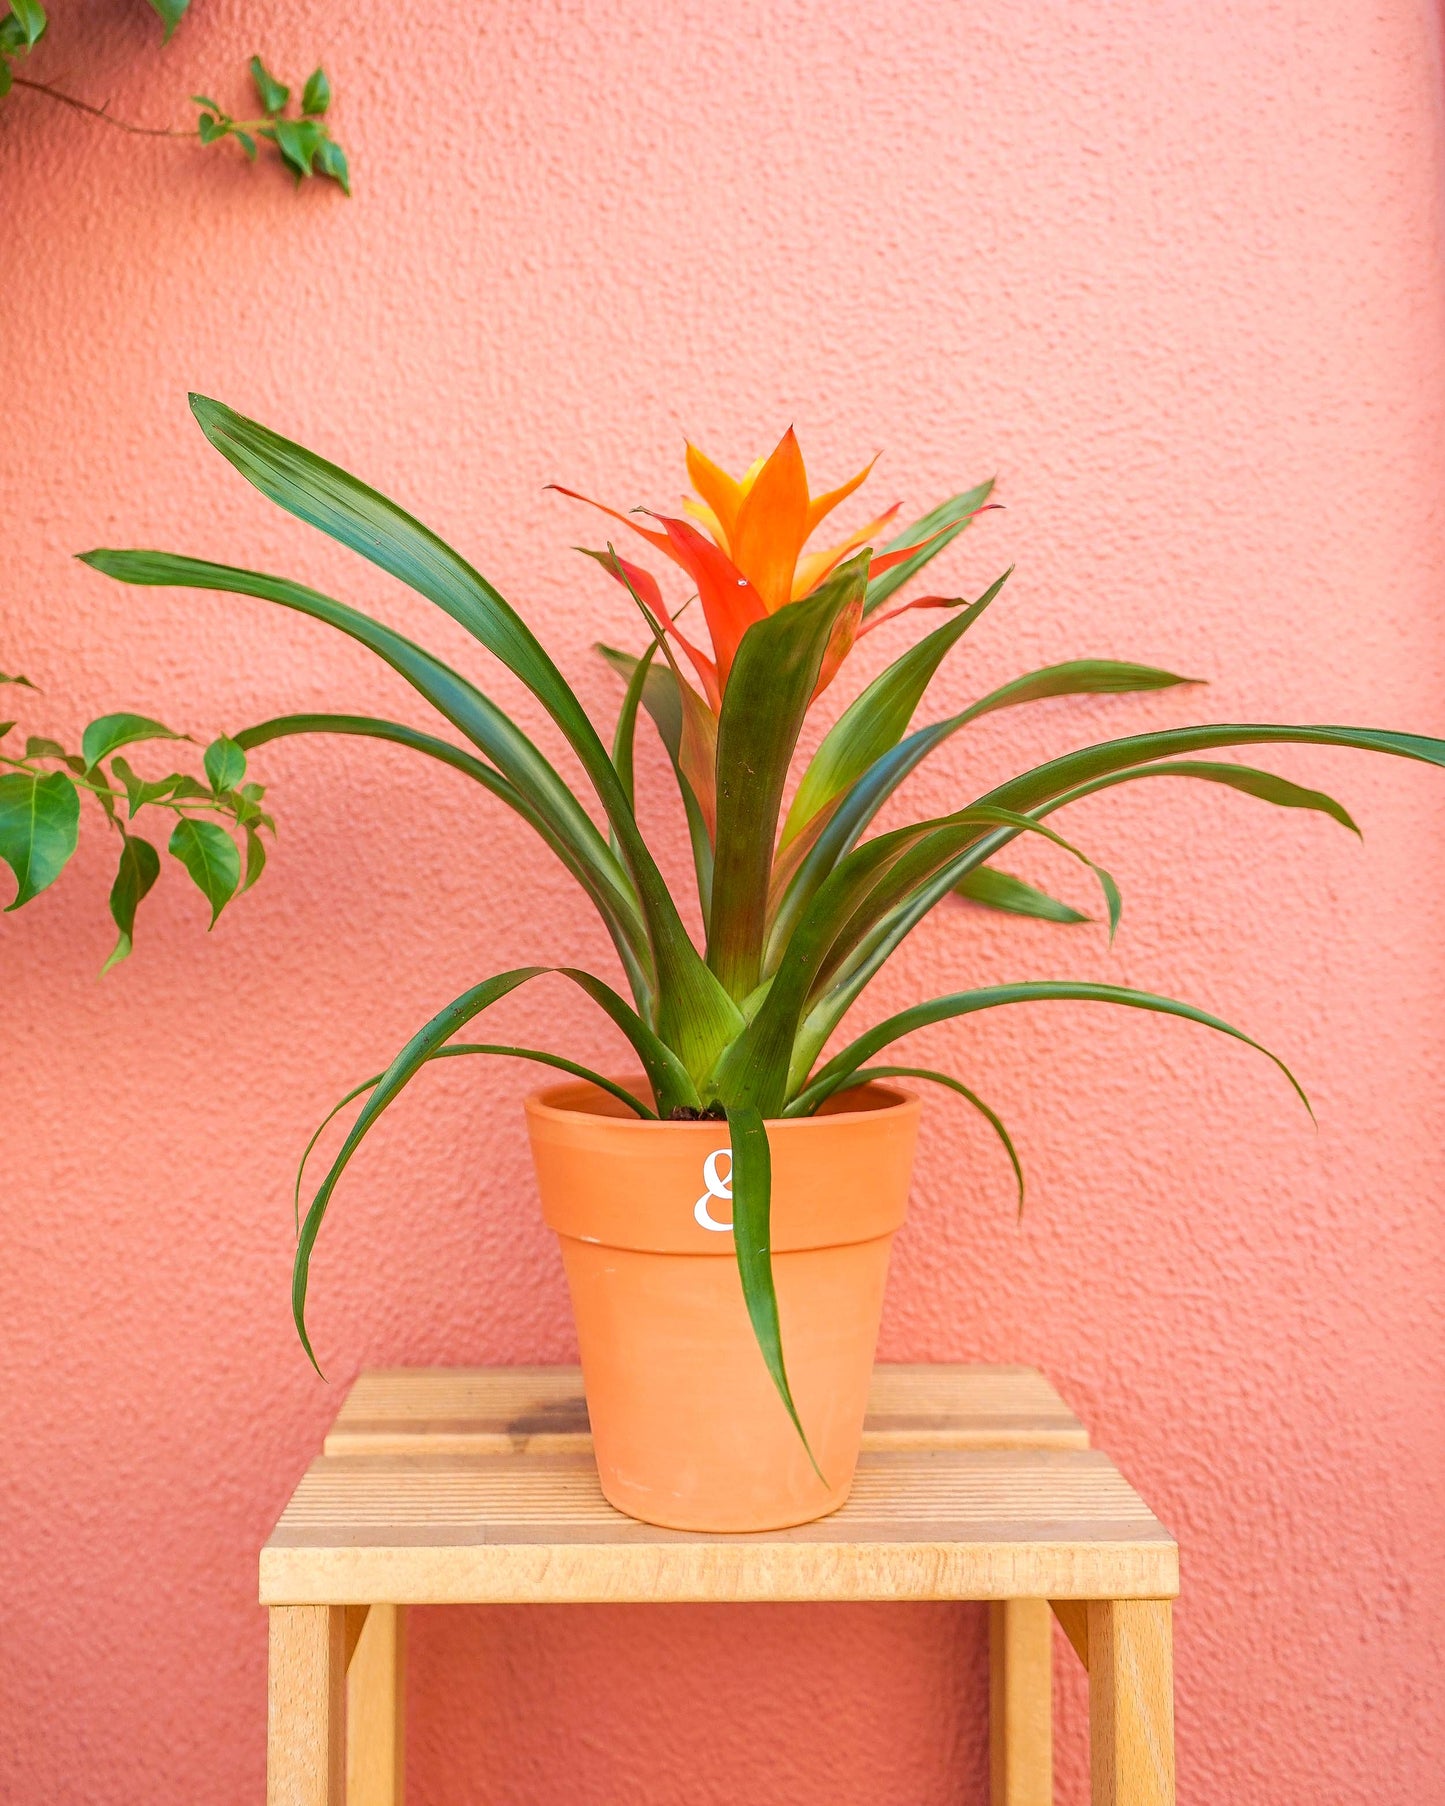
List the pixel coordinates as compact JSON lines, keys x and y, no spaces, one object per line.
{"x":688,"y":1429}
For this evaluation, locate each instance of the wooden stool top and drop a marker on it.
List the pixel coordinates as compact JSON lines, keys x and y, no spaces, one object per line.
{"x":521,"y":1410}
{"x":462,"y":1487}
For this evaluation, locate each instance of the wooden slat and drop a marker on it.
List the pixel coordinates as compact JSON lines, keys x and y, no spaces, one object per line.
{"x":516,"y":1410}
{"x":940,"y":1524}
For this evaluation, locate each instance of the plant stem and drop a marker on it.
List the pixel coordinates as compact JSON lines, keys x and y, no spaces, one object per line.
{"x":84,"y":106}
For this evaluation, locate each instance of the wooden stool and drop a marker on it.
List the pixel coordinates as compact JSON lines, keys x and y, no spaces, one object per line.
{"x":477,"y":1487}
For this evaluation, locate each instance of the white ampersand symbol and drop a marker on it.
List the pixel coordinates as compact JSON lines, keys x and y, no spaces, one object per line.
{"x":718,"y":1186}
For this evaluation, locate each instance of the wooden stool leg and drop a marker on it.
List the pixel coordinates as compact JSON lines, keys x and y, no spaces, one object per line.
{"x":1131,"y":1702}
{"x":306,"y":1706}
{"x":376,"y":1709}
{"x":1020,"y":1705}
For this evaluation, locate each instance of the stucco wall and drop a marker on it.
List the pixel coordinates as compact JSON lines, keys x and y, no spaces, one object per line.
{"x":1174,"y":273}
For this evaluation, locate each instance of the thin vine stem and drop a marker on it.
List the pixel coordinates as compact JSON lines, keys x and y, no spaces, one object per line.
{"x":84,"y":106}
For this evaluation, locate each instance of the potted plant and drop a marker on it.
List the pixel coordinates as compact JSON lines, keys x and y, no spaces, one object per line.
{"x":726,"y":1216}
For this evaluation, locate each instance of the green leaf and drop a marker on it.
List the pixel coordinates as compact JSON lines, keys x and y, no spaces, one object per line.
{"x":209,"y":128}
{"x":7,"y":80}
{"x":540,"y":794}
{"x":316,"y":97}
{"x":29,"y":15}
{"x":671,"y":1083}
{"x":246,"y":142}
{"x":109,"y":733}
{"x":842,"y":1066}
{"x":298,"y":141}
{"x":752,"y":1188}
{"x":389,"y":1086}
{"x":5,"y":727}
{"x":170,"y":13}
{"x":1000,"y":890}
{"x":40,"y":746}
{"x":39,"y":827}
{"x":453,"y":1051}
{"x":866,"y":1074}
{"x":140,"y":866}
{"x":662,"y":698}
{"x":772,"y":680}
{"x":696,"y":1016}
{"x":225,"y":763}
{"x":956,"y":513}
{"x":204,"y":100}
{"x":5,"y":678}
{"x":255,"y":856}
{"x":1262,"y":784}
{"x":272,"y":94}
{"x":140,"y":791}
{"x":862,"y":801}
{"x":878,"y":719}
{"x":886,"y":937}
{"x":209,"y":854}
{"x":331,"y":161}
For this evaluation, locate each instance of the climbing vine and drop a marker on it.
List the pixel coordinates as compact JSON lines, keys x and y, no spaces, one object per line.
{"x":299,"y":136}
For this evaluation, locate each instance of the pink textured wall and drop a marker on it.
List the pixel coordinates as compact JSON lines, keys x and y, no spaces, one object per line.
{"x":1174,"y":272}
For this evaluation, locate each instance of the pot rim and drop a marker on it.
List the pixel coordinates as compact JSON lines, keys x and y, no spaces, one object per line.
{"x":541,"y":1103}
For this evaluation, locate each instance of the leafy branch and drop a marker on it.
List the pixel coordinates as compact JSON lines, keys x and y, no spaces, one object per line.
{"x":40,"y":792}
{"x":303,"y":140}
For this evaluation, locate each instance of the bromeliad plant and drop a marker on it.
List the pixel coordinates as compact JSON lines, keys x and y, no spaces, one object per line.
{"x":803,"y":906}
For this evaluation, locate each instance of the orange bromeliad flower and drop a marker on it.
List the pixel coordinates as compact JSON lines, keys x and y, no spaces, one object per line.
{"x":743,"y":545}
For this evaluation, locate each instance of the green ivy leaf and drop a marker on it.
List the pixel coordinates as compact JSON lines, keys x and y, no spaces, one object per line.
{"x":39,"y":826}
{"x":225,"y":764}
{"x":6,"y":678}
{"x":255,"y":856}
{"x":170,"y":13}
{"x":213,"y":106}
{"x":317,"y":95}
{"x":140,"y":791}
{"x":189,"y":789}
{"x":298,"y":141}
{"x":210,"y":128}
{"x":108,"y":733}
{"x":331,"y":160}
{"x":209,"y":854}
{"x":140,"y":866}
{"x":5,"y":76}
{"x":5,"y":727}
{"x":272,"y":94}
{"x":30,"y":16}
{"x":39,"y":746}
{"x":246,"y":142}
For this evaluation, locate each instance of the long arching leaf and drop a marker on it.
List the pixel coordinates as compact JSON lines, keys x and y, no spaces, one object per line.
{"x":1111,"y":762}
{"x":661,"y":697}
{"x":663,"y":1069}
{"x":866,"y":1074}
{"x":389,"y":1086}
{"x":1012,"y":896}
{"x":866,"y":796}
{"x":839,"y":1070}
{"x":451,"y":1052}
{"x":484,"y":724}
{"x":877,"y":719}
{"x":695,"y":1014}
{"x":368,"y":727}
{"x":752,"y":1188}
